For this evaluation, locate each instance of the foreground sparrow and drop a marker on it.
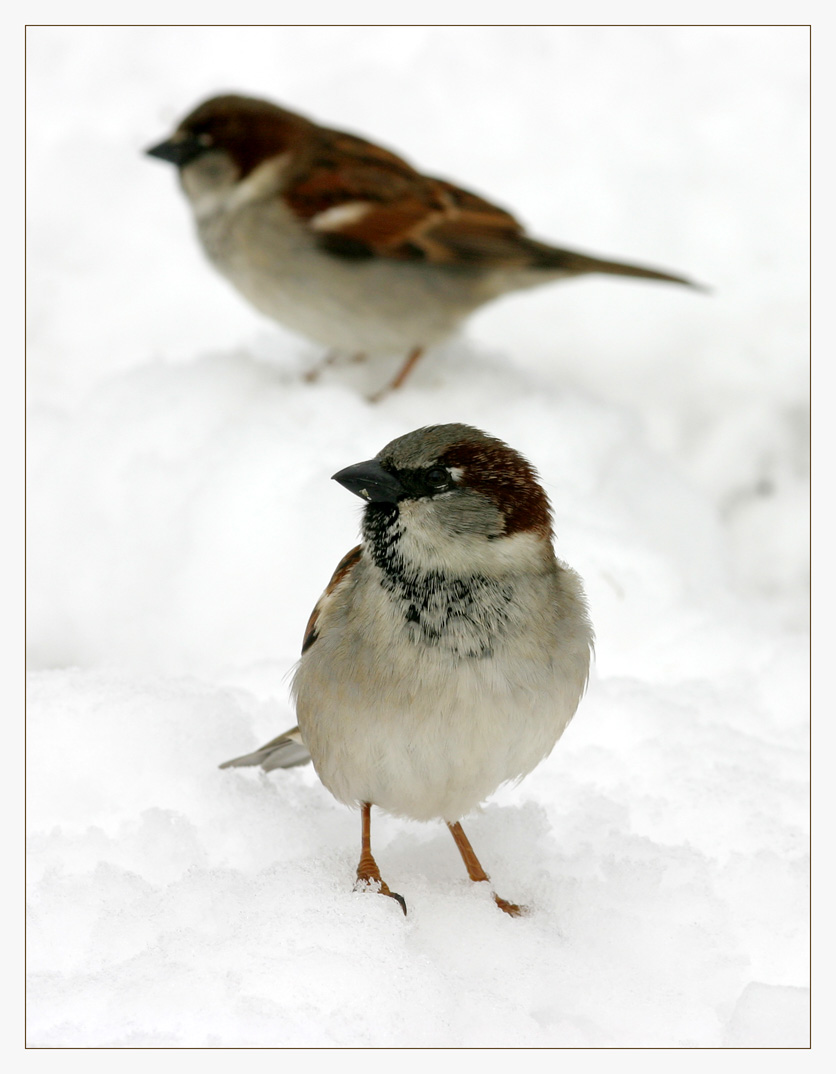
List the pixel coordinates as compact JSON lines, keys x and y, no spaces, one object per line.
{"x":450,"y":649}
{"x":342,"y":241}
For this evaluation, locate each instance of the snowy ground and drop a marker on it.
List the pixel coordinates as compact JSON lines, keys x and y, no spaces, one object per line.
{"x":182,"y":524}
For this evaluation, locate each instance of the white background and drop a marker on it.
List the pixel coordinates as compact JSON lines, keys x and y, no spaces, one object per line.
{"x":182,"y":523}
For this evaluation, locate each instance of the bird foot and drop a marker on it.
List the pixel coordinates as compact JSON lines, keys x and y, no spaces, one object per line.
{"x":331,"y":358}
{"x":379,"y":887}
{"x":509,"y":907}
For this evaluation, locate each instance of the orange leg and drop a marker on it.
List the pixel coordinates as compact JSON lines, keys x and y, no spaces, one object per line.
{"x":400,"y":377}
{"x":331,"y":358}
{"x":368,"y":874}
{"x":475,"y":870}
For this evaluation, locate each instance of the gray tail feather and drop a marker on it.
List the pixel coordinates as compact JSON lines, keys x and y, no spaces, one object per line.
{"x":286,"y":751}
{"x":576,"y":264}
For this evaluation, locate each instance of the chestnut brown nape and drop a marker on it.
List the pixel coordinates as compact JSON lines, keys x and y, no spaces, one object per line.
{"x":504,"y":476}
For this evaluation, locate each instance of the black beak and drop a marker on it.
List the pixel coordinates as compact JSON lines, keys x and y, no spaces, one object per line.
{"x":371,"y":482}
{"x":179,"y":150}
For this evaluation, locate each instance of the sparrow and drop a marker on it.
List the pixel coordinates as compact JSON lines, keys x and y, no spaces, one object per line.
{"x":451,"y":647}
{"x":342,"y":241}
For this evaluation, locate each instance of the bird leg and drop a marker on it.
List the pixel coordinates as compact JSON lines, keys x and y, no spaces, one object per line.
{"x":475,"y":870}
{"x":329,"y":359}
{"x":400,"y":377}
{"x":368,"y":874}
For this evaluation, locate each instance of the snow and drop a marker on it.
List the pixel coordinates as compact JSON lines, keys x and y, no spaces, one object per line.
{"x":181,"y":524}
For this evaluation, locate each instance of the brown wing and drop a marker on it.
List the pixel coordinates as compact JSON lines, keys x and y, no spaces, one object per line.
{"x":289,"y":749}
{"x":344,"y":568}
{"x":363,"y":201}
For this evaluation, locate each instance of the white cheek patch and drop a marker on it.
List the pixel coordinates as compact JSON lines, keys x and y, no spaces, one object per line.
{"x":220,"y":191}
{"x":425,"y":545}
{"x":262,"y":180}
{"x":339,"y":216}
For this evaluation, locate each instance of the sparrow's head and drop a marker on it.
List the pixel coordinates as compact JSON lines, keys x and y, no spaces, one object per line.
{"x":226,"y":138}
{"x":452,"y":497}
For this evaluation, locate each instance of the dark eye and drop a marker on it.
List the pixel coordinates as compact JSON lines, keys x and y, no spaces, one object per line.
{"x":438,"y":478}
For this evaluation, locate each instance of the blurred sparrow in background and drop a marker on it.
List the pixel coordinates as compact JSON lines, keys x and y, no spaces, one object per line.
{"x":345,"y":243}
{"x":450,"y":649}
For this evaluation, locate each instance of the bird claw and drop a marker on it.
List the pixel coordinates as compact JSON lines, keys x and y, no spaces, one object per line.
{"x":379,"y":887}
{"x":399,"y":899}
{"x":509,"y":907}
